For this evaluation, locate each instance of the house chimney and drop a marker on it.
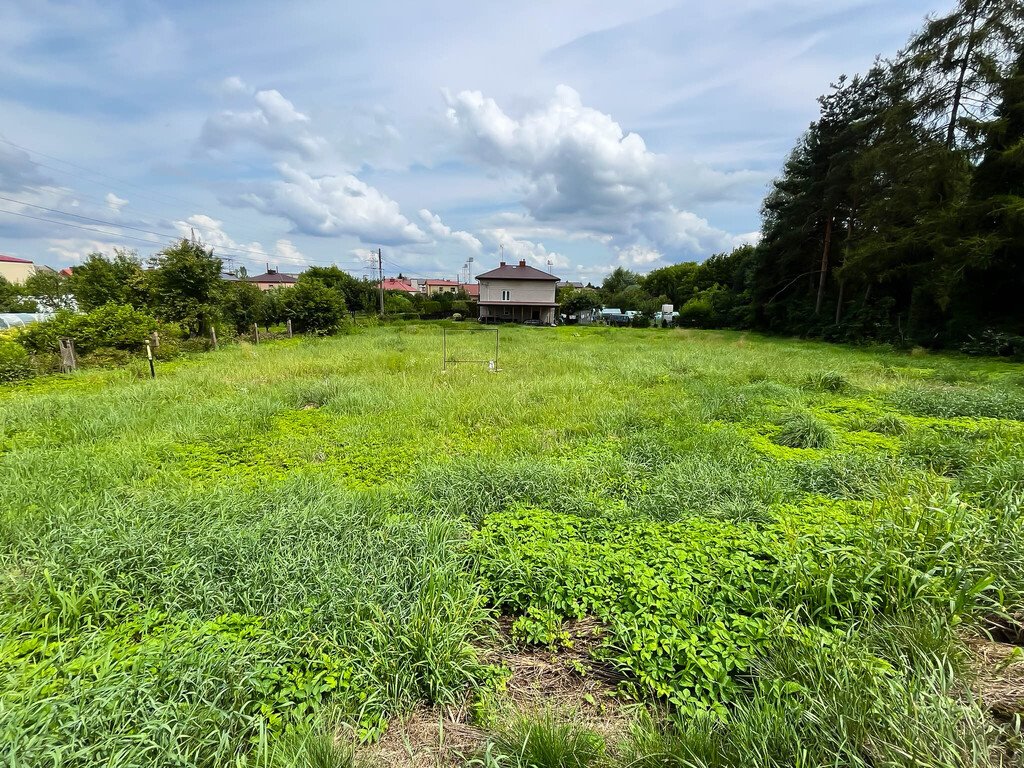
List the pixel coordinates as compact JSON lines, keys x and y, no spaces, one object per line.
{"x":522,"y":262}
{"x":502,"y":264}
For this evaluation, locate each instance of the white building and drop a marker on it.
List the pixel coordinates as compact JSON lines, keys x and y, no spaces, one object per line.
{"x":517,"y":294}
{"x":16,"y":270}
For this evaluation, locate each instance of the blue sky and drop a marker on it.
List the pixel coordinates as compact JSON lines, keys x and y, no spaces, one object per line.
{"x":584,"y":135}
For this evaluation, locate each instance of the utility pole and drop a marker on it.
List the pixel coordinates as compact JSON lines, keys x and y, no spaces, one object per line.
{"x":380,"y":272}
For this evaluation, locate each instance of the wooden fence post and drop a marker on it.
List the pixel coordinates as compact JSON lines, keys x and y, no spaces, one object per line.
{"x":256,"y":332}
{"x":67,"y":356}
{"x":213,"y":336}
{"x":289,"y":327}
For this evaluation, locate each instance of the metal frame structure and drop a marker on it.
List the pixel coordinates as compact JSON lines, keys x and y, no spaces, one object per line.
{"x":444,"y":347}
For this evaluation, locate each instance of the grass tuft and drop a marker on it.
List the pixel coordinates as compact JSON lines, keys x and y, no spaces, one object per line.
{"x":311,"y":749}
{"x":541,"y":740}
{"x":804,"y":430}
{"x":827,"y":381}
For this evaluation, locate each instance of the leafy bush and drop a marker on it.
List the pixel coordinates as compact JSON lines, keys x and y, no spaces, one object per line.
{"x":804,"y":430}
{"x":14,"y":362}
{"x":696,"y":313}
{"x":315,"y":308}
{"x":243,"y":305}
{"x":995,"y":344}
{"x":116,"y":326}
{"x":106,"y":357}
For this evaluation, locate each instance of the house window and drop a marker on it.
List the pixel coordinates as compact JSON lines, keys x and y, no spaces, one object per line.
{"x":506,"y":295}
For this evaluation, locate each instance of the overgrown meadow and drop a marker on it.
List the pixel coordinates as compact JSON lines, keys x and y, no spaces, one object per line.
{"x":784,"y":544}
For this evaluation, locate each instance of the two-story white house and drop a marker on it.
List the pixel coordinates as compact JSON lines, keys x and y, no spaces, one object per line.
{"x":517,"y":294}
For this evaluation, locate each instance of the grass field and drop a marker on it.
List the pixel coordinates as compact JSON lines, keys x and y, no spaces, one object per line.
{"x":270,"y":552}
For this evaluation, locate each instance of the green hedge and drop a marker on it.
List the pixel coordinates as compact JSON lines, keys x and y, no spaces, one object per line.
{"x":112,"y":326}
{"x":14,"y":362}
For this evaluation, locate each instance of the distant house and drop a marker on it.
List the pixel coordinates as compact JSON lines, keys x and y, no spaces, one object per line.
{"x":434,"y":287}
{"x":394,"y":284}
{"x":472,"y":290}
{"x":569,"y":284}
{"x":273,"y":279}
{"x":67,"y":271}
{"x":16,"y":270}
{"x":517,"y":294}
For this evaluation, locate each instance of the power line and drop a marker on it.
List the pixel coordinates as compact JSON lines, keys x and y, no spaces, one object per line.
{"x":152,"y":196}
{"x":78,"y":226}
{"x":118,"y":235}
{"x":145,"y":193}
{"x":164,"y":234}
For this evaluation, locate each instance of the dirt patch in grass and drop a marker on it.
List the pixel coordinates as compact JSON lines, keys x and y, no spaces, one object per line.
{"x":567,"y":681}
{"x":429,"y":737}
{"x":999,"y":681}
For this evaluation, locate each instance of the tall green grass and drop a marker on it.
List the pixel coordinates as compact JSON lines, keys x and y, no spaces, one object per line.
{"x":277,"y":540}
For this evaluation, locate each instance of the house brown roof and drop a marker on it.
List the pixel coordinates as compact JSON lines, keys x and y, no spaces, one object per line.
{"x":273,"y":277}
{"x":443,"y":282}
{"x":516,"y":272}
{"x":14,"y":260}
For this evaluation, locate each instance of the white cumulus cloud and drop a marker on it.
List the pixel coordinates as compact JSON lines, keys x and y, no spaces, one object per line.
{"x":580,"y":169}
{"x":518,"y":249}
{"x":76,"y":250}
{"x":639,"y":256}
{"x":335,"y":205}
{"x":443,"y":233}
{"x":274,"y":124}
{"x":233,"y":86}
{"x":286,"y":251}
{"x":115,"y":203}
{"x":210,"y":232}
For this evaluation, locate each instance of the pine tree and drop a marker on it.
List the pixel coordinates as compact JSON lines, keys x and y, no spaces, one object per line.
{"x":958,"y":61}
{"x":992,"y":259}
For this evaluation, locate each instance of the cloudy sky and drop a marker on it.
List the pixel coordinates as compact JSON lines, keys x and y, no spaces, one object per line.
{"x":583,"y":134}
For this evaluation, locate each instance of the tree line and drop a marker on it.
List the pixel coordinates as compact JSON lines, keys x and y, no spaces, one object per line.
{"x":184,"y":285}
{"x":899,"y":214}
